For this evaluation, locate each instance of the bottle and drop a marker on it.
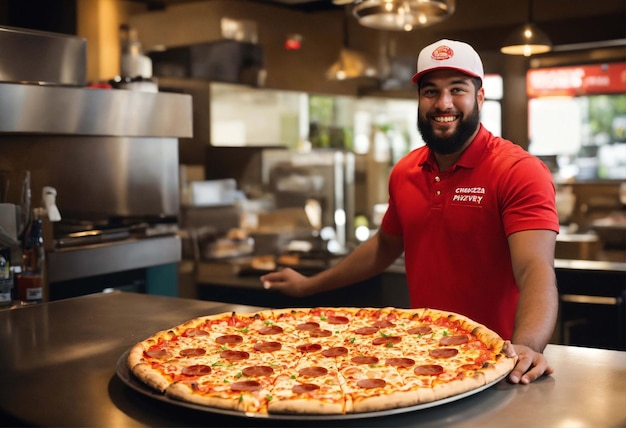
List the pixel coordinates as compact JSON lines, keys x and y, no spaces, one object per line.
{"x":31,"y":281}
{"x":134,"y":64}
{"x":6,"y":280}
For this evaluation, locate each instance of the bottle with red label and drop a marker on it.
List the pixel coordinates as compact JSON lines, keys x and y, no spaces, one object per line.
{"x":31,"y":281}
{"x":6,"y":279}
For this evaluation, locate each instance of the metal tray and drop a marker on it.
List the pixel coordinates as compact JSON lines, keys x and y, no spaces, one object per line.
{"x":124,"y":373}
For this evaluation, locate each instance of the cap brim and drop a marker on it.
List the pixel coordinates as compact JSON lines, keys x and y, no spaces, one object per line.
{"x":416,"y":77}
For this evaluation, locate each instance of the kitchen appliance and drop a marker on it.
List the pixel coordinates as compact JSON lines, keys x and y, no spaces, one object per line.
{"x":112,"y":156}
{"x":325,"y":176}
{"x":226,"y":60}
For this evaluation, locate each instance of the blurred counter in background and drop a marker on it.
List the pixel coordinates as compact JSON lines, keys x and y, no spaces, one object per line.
{"x":593,"y":220}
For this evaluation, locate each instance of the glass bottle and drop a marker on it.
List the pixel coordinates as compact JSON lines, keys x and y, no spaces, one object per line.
{"x":6,"y":280}
{"x":31,"y":281}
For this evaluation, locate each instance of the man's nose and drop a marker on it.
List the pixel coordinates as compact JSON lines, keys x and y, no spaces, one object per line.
{"x":444,"y":101}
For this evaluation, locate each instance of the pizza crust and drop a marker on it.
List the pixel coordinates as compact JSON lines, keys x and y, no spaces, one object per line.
{"x":501,"y":368}
{"x":304,"y":406}
{"x":458,"y":386}
{"x":183,"y":392}
{"x":135,"y":356}
{"x":150,"y":377}
{"x":385,"y":402}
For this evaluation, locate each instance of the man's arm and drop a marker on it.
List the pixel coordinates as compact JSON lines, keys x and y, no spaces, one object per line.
{"x":532,"y":255}
{"x":367,"y":260}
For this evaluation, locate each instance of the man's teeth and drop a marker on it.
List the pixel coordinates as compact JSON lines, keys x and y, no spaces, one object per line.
{"x":445,"y":119}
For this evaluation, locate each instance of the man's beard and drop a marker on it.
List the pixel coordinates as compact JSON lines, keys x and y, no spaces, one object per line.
{"x":453,"y":143}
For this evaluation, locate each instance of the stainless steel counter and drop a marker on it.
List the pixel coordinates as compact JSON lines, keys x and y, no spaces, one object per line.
{"x":100,"y":259}
{"x":58,"y":368}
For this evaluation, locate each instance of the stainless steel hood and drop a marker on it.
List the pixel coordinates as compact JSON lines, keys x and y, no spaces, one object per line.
{"x":43,"y":58}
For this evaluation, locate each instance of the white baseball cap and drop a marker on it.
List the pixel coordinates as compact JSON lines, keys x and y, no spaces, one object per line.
{"x":449,"y":54}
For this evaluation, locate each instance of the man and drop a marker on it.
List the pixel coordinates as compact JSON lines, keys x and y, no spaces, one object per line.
{"x":474,"y":214}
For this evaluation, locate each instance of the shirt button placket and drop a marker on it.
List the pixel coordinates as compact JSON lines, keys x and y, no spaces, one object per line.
{"x":437,"y":189}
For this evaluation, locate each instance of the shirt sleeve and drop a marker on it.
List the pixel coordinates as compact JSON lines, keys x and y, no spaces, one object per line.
{"x":391,"y":223}
{"x":529,"y":198}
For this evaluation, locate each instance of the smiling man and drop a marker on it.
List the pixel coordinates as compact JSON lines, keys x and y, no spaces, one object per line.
{"x":474,"y":214}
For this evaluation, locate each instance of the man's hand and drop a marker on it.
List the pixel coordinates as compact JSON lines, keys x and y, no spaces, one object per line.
{"x":530,"y":364}
{"x":287,"y":281}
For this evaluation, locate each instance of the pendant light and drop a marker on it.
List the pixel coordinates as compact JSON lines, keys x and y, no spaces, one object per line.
{"x":527,"y":40}
{"x":401,"y":15}
{"x":350,"y":64}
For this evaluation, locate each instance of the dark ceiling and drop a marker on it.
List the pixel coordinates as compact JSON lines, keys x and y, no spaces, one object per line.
{"x":300,"y":5}
{"x":491,"y":10}
{"x":566,"y":22}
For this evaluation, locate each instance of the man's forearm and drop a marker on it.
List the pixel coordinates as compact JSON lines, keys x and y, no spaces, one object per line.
{"x":536,"y":314}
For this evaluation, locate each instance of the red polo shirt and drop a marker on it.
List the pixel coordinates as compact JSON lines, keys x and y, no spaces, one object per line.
{"x":455,"y":225}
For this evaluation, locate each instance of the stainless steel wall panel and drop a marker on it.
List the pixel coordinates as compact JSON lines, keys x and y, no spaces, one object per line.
{"x":102,"y":112}
{"x":99,"y":177}
{"x":40,"y":57}
{"x":64,"y":265}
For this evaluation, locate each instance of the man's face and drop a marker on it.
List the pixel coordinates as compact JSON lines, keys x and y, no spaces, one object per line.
{"x":448,"y":111}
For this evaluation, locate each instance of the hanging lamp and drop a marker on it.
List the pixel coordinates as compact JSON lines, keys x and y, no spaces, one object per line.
{"x":402,"y":15}
{"x":350,"y":64}
{"x":527,"y":40}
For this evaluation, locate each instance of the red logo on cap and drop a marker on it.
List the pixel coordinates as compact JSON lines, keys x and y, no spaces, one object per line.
{"x":442,"y":53}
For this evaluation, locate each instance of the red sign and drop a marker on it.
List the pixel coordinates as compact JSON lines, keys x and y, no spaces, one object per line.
{"x":575,"y":81}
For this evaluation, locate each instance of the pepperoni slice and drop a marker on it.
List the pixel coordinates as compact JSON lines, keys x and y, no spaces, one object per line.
{"x":443,"y":352}
{"x":420,"y":330}
{"x":371,"y":383}
{"x":335,"y":352}
{"x":428,"y":370}
{"x":303,"y":388}
{"x":308,"y":326}
{"x":230,"y":339}
{"x":272,"y":329}
{"x":400,"y":362}
{"x":453,"y":340}
{"x":387,"y":340}
{"x":253,"y":371}
{"x":267,"y":346}
{"x":313,"y":371}
{"x":157,"y":353}
{"x":309,"y":347}
{"x":232,"y":355}
{"x":245,"y":385}
{"x":366,"y":331}
{"x":192,"y":352}
{"x":318,"y":332}
{"x":363,"y":359}
{"x":196,"y":370}
{"x":337,"y":319}
{"x":383,"y":324}
{"x":195,"y":332}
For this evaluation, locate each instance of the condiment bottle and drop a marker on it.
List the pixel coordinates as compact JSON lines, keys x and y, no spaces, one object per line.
{"x":31,"y":281}
{"x":6,"y":280}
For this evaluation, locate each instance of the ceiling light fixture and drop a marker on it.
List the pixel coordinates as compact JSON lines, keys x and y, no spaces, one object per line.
{"x":351,"y":63}
{"x":527,"y":40}
{"x":401,"y":15}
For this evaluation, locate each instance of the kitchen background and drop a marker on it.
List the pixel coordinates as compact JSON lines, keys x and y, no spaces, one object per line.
{"x":298,"y":114}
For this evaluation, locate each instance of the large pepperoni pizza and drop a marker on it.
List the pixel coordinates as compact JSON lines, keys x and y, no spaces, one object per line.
{"x":320,"y":360}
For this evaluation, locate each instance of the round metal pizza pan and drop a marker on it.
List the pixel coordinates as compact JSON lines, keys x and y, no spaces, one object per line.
{"x":124,"y":373}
